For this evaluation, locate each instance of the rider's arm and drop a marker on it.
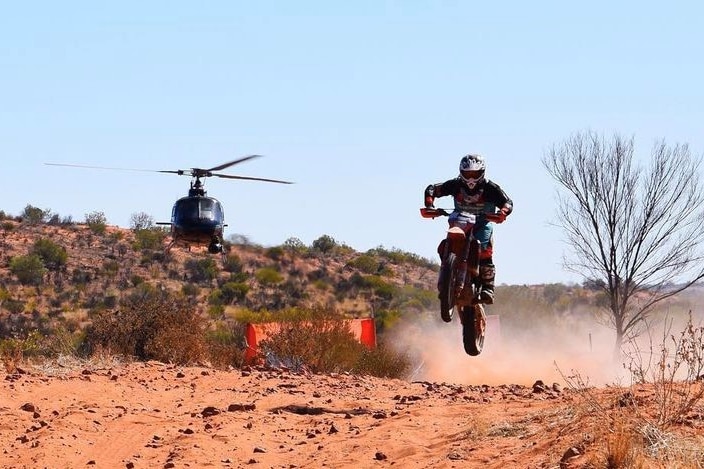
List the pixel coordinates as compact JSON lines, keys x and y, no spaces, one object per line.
{"x":439,"y":190}
{"x":498,"y":197}
{"x":429,"y":195}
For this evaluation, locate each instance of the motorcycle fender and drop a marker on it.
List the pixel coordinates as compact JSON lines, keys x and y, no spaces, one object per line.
{"x":455,"y":232}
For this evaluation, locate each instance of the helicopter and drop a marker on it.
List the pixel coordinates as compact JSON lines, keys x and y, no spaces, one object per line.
{"x":196,"y":218}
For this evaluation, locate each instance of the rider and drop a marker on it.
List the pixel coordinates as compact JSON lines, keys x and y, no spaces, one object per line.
{"x":473,"y":193}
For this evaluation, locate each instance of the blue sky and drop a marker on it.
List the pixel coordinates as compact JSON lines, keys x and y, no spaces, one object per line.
{"x":362,"y":104}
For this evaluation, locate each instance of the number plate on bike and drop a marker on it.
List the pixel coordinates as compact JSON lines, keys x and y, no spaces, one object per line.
{"x":463,"y":220}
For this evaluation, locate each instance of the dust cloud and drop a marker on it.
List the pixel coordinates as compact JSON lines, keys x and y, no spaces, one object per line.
{"x":545,"y":352}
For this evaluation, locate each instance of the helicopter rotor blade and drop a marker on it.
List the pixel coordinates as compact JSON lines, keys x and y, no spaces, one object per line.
{"x":193,"y":172}
{"x":231,"y":163}
{"x":103,"y":167}
{"x":247,"y":178}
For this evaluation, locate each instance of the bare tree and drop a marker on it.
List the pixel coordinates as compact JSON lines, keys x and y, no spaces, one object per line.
{"x":638,"y":230}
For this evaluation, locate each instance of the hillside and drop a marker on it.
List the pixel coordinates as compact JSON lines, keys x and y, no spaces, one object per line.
{"x":100,"y":268}
{"x":58,"y":276}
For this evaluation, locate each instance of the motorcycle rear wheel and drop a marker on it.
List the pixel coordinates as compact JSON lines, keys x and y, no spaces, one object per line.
{"x":473,"y":329}
{"x":447,"y":287}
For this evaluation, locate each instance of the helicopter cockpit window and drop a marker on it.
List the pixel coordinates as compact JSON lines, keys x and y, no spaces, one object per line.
{"x":210,"y":209}
{"x":207,"y":209}
{"x":186,"y":209}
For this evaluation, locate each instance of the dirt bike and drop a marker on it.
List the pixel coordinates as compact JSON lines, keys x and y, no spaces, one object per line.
{"x":459,"y":283}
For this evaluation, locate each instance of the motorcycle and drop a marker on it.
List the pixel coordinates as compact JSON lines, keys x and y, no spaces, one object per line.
{"x":459,"y":283}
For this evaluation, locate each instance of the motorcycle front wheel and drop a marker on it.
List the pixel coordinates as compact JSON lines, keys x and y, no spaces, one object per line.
{"x":446,"y":285}
{"x":473,"y":329}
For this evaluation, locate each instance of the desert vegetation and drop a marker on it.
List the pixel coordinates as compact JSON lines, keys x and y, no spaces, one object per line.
{"x":98,"y":289}
{"x":71,"y":289}
{"x":652,"y":418}
{"x":102,"y":288}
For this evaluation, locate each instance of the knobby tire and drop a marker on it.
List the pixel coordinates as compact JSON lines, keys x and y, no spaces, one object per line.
{"x":447,"y":287}
{"x":473,"y":329}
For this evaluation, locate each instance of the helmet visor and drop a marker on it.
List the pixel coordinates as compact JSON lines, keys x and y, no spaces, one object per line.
{"x":472,"y":175}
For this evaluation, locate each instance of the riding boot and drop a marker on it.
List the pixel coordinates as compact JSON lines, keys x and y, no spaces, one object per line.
{"x":487,"y":272}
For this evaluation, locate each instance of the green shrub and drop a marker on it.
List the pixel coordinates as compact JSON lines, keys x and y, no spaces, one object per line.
{"x":318,"y":274}
{"x":239,"y":277}
{"x":34,"y":215}
{"x":216,"y":311}
{"x":268,"y":276}
{"x":215,"y":297}
{"x":111,"y":267}
{"x":383,"y":362}
{"x":232,"y":264}
{"x":97,"y":222}
{"x":325,"y":244}
{"x":398,"y":256}
{"x":380,"y":287}
{"x":110,"y":301}
{"x":28,"y":269}
{"x":385,"y":319}
{"x":202,"y":270}
{"x":80,"y":276}
{"x":29,"y":345}
{"x":14,"y":350}
{"x":149,"y":238}
{"x":52,"y":255}
{"x":190,"y":290}
{"x":233,"y":292}
{"x":226,"y":344}
{"x":365,"y":263}
{"x":275,"y":253}
{"x":64,"y":340}
{"x":295,"y":247}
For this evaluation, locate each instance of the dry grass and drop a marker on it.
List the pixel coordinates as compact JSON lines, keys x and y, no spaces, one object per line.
{"x":623,"y":449}
{"x":11,"y":355}
{"x":675,"y":366}
{"x":65,"y":365}
{"x":653,"y":421}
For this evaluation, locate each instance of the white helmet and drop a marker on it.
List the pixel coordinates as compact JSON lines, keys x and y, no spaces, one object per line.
{"x":472,"y":168}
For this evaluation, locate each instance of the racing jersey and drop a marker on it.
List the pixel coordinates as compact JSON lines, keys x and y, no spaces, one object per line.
{"x":485,"y":197}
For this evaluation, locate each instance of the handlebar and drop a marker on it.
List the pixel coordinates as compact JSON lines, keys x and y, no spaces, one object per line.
{"x":433,"y":212}
{"x":441,"y":212}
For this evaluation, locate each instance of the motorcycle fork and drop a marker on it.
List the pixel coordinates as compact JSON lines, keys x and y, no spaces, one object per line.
{"x":473,"y":257}
{"x":460,"y":247}
{"x":469,"y":265}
